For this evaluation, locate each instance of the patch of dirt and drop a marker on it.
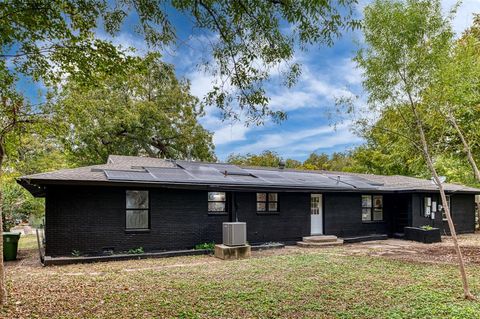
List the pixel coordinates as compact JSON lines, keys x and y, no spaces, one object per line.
{"x":25,"y":257}
{"x":447,"y":254}
{"x":443,"y":252}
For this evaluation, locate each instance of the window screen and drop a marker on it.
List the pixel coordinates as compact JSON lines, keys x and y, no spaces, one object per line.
{"x":372,"y":208}
{"x":217,"y":202}
{"x":137,"y":210}
{"x":267,"y":202}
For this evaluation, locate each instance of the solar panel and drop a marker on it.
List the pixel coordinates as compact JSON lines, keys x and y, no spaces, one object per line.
{"x":356,"y":181}
{"x":204,"y":173}
{"x":232,"y":170}
{"x":129,"y":175}
{"x":170,"y":174}
{"x":215,"y":172}
{"x":313,"y":179}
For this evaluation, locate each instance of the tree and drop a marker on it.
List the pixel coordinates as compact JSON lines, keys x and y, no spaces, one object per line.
{"x":266,"y":158}
{"x":317,"y":162}
{"x":247,"y":39}
{"x":453,"y":99}
{"x":455,"y":93}
{"x":406,"y":42}
{"x":387,"y":149}
{"x":28,"y":152}
{"x":144,"y":110}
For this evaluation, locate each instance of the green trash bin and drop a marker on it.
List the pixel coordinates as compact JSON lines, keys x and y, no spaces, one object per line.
{"x":10,"y":245}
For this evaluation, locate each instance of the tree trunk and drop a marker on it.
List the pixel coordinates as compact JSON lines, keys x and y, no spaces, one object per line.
{"x":436,"y":179}
{"x":3,"y":288}
{"x":466,"y":146}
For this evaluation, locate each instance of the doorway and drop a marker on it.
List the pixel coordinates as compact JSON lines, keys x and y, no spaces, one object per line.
{"x":316,"y":212}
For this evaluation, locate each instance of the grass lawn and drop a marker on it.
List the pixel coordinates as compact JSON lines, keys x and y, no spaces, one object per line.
{"x":27,"y":242}
{"x":295,"y":283}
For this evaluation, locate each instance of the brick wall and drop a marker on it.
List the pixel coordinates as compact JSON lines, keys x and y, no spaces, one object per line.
{"x":91,"y":219}
{"x":343,"y":216}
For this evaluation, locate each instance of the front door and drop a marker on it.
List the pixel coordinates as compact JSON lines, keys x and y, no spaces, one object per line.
{"x":316,"y":212}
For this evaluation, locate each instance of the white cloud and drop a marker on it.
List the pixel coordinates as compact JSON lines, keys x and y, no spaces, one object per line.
{"x":350,"y":73}
{"x":300,"y":142}
{"x":201,"y":83}
{"x":314,"y":90}
{"x":230,"y":133}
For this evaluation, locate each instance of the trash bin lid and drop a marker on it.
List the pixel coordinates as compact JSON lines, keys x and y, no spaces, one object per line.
{"x":11,"y":234}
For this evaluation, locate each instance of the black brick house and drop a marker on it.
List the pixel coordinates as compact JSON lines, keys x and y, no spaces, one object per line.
{"x":163,"y":205}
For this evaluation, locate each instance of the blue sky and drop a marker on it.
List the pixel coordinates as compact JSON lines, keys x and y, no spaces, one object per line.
{"x":327,"y":73}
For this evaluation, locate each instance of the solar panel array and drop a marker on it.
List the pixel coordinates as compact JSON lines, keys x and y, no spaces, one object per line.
{"x":129,"y":175}
{"x":196,"y":173}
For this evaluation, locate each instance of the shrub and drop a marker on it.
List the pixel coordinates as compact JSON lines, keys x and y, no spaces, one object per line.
{"x":76,"y":253}
{"x":426,"y":227}
{"x":208,"y":246}
{"x":136,"y":251}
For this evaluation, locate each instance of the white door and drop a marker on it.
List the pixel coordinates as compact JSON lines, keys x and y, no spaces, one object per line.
{"x":316,"y":214}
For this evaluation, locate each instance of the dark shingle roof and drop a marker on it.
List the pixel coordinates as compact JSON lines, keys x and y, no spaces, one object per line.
{"x":145,"y":170}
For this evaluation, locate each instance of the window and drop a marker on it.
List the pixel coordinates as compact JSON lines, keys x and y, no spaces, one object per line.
{"x":372,"y":208}
{"x":137,"y":210}
{"x":444,"y":215}
{"x":267,"y":202}
{"x":217,"y":202}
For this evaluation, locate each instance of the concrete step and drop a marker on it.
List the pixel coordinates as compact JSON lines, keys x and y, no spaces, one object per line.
{"x":350,"y":240}
{"x":338,"y":242}
{"x":320,"y":239}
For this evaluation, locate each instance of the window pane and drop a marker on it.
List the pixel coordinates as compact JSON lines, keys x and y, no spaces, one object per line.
{"x":261,"y":197}
{"x":261,"y":207}
{"x":378,"y":201}
{"x":366,"y":214}
{"x":216,"y":196}
{"x":137,"y":219}
{"x":315,"y":204}
{"x":273,"y":197}
{"x":378,"y":214}
{"x":272,"y":207}
{"x":366,"y":201}
{"x":216,"y":206}
{"x":137,"y":199}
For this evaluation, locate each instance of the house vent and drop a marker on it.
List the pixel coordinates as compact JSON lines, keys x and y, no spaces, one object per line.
{"x":235,"y":234}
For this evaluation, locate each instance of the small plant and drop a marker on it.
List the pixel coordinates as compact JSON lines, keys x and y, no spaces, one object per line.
{"x":136,"y":251}
{"x":76,"y":253}
{"x":207,"y":246}
{"x":426,"y":227}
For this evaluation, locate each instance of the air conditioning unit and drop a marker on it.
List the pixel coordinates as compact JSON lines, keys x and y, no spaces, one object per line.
{"x":234,"y":234}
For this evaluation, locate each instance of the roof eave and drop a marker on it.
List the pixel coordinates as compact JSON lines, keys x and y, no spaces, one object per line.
{"x":37,"y":186}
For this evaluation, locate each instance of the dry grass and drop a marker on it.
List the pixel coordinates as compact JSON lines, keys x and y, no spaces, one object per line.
{"x":27,"y":242}
{"x":355,"y":281}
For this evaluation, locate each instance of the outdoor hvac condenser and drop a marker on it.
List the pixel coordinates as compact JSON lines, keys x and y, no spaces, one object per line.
{"x":234,"y":234}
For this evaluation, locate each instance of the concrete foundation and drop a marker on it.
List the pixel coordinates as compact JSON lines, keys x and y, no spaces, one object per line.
{"x":232,"y":252}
